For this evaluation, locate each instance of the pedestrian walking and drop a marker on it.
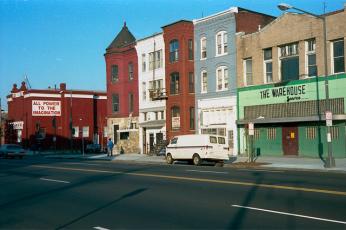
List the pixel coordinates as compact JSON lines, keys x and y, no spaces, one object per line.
{"x":110,"y":146}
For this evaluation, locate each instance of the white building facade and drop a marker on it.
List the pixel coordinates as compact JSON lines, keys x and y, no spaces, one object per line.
{"x":151,"y":84}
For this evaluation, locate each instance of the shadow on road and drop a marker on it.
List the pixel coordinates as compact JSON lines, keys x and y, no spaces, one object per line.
{"x":128,"y":195}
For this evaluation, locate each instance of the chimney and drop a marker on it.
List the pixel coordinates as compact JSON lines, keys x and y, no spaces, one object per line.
{"x":62,"y":86}
{"x":23,"y":86}
{"x":14,"y":89}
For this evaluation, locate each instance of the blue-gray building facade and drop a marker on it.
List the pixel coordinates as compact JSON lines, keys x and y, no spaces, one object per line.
{"x":215,"y":75}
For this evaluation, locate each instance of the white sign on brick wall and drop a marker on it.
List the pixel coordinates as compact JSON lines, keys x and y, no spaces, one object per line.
{"x":46,"y":108}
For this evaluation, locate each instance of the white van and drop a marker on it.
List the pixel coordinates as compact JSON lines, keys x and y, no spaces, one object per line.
{"x":197,"y":148}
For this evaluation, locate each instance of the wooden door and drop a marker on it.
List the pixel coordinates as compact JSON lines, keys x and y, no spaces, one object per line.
{"x":290,"y":140}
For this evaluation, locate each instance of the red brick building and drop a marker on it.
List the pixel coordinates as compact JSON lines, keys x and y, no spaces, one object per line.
{"x":180,"y":106}
{"x":44,"y":117}
{"x":122,"y":91}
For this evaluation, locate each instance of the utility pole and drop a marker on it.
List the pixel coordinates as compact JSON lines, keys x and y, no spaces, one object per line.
{"x":71,"y":128}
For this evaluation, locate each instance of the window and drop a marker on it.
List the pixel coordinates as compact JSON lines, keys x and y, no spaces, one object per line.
{"x":248,"y":71}
{"x":334,"y":132}
{"x":213,"y":140}
{"x":190,"y":47}
{"x":174,"y":140}
{"x":130,"y":71}
{"x":311,"y":133}
{"x":191,"y":83}
{"x":75,"y":131}
{"x":175,"y":115}
{"x":192,"y":118}
{"x":131,"y":101}
{"x":257,"y":134}
{"x":221,"y":140}
{"x":203,"y":48}
{"x":268,"y":65}
{"x":173,"y":51}
{"x":221,"y":78}
{"x":115,"y":103}
{"x":221,"y":43}
{"x":174,"y":84}
{"x":144,"y":63}
{"x":338,"y":56}
{"x":115,"y":75}
{"x":289,"y":61}
{"x":271,"y":133}
{"x":124,"y":135}
{"x":144,"y":91}
{"x":230,"y":139}
{"x":85,"y":132}
{"x":155,"y":60}
{"x":204,"y":81}
{"x":311,"y":67}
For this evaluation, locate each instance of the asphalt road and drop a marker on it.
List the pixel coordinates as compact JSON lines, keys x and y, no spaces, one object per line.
{"x":39,"y":193}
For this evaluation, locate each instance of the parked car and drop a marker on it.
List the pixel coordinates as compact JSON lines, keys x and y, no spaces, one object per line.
{"x":12,"y":151}
{"x":93,"y":148}
{"x":197,"y":148}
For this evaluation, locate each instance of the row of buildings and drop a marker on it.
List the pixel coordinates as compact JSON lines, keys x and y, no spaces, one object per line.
{"x":219,"y":73}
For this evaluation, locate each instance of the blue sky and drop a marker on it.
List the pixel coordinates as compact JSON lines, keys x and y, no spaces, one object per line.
{"x":64,"y":41}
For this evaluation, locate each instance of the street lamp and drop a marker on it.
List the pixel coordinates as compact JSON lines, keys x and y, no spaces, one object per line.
{"x":330,"y":161}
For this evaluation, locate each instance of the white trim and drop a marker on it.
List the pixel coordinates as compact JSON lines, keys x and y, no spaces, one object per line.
{"x":202,"y":91}
{"x":42,"y":95}
{"x":201,"y":44}
{"x":79,"y":96}
{"x":230,"y":10}
{"x":19,"y":94}
{"x":100,"y":97}
{"x":9,"y":99}
{"x":222,"y":33}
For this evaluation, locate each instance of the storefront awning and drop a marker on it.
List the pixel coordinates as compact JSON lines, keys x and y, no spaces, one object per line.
{"x":264,"y":120}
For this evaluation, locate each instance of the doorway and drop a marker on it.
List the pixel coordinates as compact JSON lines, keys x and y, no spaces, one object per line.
{"x":115,"y":136}
{"x":151,"y":142}
{"x":290,"y":140}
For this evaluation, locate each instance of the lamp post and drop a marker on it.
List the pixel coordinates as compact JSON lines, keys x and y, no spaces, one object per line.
{"x":330,"y":161}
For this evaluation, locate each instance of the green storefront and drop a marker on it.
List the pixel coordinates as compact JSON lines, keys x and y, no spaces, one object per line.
{"x":289,"y":118}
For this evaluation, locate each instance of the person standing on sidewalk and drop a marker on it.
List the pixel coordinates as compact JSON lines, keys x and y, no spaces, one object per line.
{"x":110,"y":146}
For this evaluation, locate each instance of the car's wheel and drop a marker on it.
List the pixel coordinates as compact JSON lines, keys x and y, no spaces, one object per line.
{"x":219,"y":164}
{"x":196,"y":159}
{"x":169,"y":158}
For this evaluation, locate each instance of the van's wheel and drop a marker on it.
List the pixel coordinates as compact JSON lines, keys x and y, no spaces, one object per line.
{"x":219,"y":164}
{"x":169,"y":158}
{"x":196,"y":159}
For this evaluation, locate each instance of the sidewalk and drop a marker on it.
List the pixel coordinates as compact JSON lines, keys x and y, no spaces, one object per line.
{"x":289,"y":163}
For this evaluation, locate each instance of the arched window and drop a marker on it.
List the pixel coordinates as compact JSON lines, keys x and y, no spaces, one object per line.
{"x":175,"y":117}
{"x":130,"y":71}
{"x":221,"y":78}
{"x":221,"y":43}
{"x":173,"y":51}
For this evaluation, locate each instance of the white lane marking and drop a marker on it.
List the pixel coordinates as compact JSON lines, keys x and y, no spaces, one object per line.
{"x":206,"y":171}
{"x":261,"y":170}
{"x":75,"y":163}
{"x":59,"y":181}
{"x":100,"y":228}
{"x":290,"y":214}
